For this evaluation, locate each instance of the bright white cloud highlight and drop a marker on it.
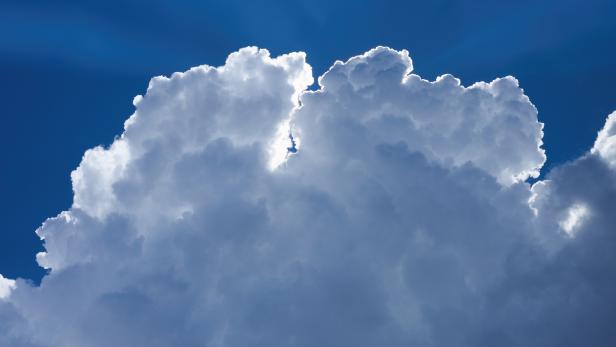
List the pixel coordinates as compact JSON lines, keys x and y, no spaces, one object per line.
{"x":605,"y":145}
{"x":6,"y":286}
{"x":403,"y":219}
{"x":575,"y":216}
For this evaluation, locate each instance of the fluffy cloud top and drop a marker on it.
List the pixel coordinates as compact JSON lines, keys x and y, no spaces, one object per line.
{"x":605,"y":146}
{"x":442,"y":120}
{"x":6,"y":285}
{"x":403,"y":219}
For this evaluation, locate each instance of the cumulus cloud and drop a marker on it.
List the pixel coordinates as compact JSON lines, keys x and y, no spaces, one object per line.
{"x":442,"y":120}
{"x":605,"y":145}
{"x":6,"y":285}
{"x":404,"y":218}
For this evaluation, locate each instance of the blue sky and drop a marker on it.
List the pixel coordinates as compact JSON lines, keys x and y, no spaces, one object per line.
{"x":71,"y":68}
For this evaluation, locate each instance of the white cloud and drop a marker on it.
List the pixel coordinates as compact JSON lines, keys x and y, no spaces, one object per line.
{"x":575,"y":216}
{"x":442,"y":120}
{"x":605,"y":145}
{"x":402,"y":220}
{"x":6,"y":286}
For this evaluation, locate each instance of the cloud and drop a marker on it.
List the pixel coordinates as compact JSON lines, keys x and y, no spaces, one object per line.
{"x":403,"y":219}
{"x":443,"y":120}
{"x":605,"y":145}
{"x":6,"y":285}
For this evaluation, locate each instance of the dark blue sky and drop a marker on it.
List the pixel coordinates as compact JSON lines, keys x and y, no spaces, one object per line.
{"x":71,"y":68}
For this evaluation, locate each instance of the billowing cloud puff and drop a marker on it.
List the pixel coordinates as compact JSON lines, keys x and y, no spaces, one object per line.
{"x":605,"y":146}
{"x":240,"y":209}
{"x":6,"y":285}
{"x":376,"y":98}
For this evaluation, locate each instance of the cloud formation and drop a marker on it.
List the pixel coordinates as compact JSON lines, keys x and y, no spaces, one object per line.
{"x":605,"y":146}
{"x":6,"y":285}
{"x":403,"y":219}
